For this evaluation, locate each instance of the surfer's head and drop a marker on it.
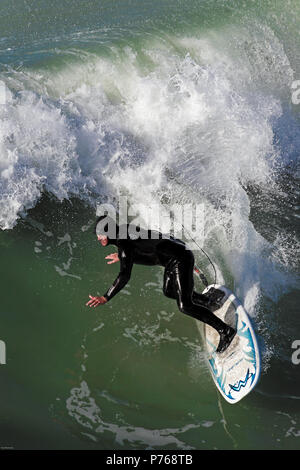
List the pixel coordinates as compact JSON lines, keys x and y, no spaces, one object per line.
{"x":103,"y":240}
{"x":106,"y":230}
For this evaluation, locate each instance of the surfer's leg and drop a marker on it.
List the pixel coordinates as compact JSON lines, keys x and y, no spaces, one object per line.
{"x":201,"y":299}
{"x":168,"y":285}
{"x":184,"y":283}
{"x":210,"y":299}
{"x":200,"y":312}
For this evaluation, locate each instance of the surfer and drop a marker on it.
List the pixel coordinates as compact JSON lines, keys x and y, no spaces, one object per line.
{"x":150,"y":248}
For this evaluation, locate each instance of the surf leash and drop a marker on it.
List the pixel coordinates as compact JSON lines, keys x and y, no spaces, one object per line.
{"x":196,"y":268}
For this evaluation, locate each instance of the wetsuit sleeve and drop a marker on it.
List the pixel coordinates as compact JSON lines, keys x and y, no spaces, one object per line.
{"x":126,"y":263}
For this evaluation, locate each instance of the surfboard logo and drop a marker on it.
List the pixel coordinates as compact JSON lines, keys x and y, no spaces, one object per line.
{"x":249,"y":355}
{"x":242,"y":383}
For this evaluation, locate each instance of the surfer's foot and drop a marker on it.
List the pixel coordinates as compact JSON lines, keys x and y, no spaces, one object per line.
{"x":213,"y":299}
{"x":215,"y":295}
{"x":226,"y":336}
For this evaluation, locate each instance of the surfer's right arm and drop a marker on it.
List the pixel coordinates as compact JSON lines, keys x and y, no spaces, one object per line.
{"x":125,"y":256}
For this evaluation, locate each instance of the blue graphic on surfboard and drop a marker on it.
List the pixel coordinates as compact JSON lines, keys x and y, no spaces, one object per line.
{"x":236,"y":370}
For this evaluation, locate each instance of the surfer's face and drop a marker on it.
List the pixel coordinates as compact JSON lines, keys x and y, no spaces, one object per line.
{"x":102,"y":239}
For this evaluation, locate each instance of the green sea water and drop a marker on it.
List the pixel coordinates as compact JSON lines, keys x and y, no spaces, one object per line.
{"x":178,"y":101}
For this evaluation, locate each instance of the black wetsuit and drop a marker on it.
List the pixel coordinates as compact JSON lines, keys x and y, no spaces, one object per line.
{"x":178,"y":262}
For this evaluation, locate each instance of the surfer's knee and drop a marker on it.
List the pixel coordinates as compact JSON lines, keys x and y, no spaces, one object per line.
{"x":184,"y":306}
{"x":165,"y":290}
{"x":168,"y":293}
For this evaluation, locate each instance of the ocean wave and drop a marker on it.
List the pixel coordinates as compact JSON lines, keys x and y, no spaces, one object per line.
{"x":180,"y":118}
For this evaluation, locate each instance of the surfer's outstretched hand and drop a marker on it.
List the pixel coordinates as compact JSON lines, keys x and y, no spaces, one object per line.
{"x":113,"y":257}
{"x":95,"y":301}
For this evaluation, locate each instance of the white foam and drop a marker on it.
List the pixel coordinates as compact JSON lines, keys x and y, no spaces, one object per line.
{"x":199,"y":112}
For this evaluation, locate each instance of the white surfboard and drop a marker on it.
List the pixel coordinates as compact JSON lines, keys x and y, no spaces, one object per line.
{"x":236,"y":370}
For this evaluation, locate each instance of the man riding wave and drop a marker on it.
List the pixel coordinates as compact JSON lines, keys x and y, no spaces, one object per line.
{"x":150,"y":248}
